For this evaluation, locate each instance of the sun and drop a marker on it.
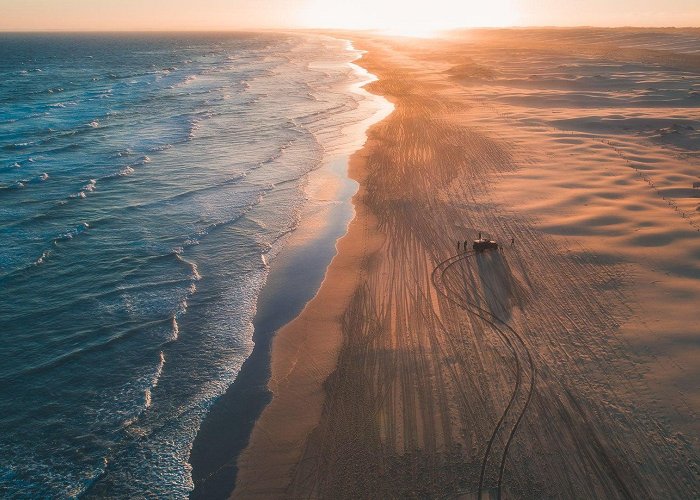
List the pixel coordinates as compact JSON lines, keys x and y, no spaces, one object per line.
{"x":408,"y":17}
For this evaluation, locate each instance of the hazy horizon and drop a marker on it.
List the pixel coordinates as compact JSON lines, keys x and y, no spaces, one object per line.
{"x":331,"y":29}
{"x":388,"y":15}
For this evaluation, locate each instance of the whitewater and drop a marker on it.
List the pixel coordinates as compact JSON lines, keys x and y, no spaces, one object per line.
{"x":146,"y":184}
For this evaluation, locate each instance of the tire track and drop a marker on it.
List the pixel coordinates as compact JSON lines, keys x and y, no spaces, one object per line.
{"x":525,"y":371}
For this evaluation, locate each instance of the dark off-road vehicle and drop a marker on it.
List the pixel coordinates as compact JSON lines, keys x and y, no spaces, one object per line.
{"x":483,"y":244}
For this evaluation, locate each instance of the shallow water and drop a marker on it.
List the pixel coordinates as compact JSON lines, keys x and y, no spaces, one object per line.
{"x":141,"y":180}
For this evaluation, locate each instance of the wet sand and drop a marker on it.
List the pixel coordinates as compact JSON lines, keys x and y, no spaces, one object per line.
{"x":297,"y":268}
{"x":563,"y":365}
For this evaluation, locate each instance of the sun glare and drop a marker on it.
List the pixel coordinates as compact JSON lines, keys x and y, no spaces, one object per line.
{"x":409,"y":17}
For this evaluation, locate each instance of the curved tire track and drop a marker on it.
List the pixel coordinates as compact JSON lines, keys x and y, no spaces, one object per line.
{"x":525,"y":370}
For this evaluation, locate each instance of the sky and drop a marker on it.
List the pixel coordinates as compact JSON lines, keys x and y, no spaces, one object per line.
{"x":388,"y":15}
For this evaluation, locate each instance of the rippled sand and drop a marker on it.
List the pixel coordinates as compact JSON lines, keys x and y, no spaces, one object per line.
{"x":563,"y":365}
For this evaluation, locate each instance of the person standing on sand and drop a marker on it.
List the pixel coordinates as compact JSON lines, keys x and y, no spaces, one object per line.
{"x":512,"y":242}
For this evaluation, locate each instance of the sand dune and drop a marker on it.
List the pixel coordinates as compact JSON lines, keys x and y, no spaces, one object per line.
{"x":563,"y":366}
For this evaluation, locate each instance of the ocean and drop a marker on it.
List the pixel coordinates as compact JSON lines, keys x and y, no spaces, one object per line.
{"x":147,"y":184}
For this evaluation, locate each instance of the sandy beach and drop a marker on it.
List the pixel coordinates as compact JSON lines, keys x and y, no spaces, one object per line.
{"x":562,"y":365}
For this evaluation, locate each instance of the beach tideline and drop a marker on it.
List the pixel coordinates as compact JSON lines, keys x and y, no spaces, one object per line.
{"x":563,"y":365}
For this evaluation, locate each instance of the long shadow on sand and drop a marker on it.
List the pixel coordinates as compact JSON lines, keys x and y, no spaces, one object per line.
{"x":499,"y":288}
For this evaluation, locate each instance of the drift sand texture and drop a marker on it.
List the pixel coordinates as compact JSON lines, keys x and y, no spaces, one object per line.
{"x":564,"y":366}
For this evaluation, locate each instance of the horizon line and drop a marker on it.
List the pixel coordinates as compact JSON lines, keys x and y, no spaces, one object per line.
{"x":330,"y":29}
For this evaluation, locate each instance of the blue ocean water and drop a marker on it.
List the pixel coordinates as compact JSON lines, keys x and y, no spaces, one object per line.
{"x":142,"y":177}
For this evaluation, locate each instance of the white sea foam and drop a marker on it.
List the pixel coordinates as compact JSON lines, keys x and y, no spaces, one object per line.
{"x":194,"y":269}
{"x":44,"y":255}
{"x":79,"y":229}
{"x":195,"y":272}
{"x":250,"y":128}
{"x":154,"y":380}
{"x":175,"y":329}
{"x":90,"y":186}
